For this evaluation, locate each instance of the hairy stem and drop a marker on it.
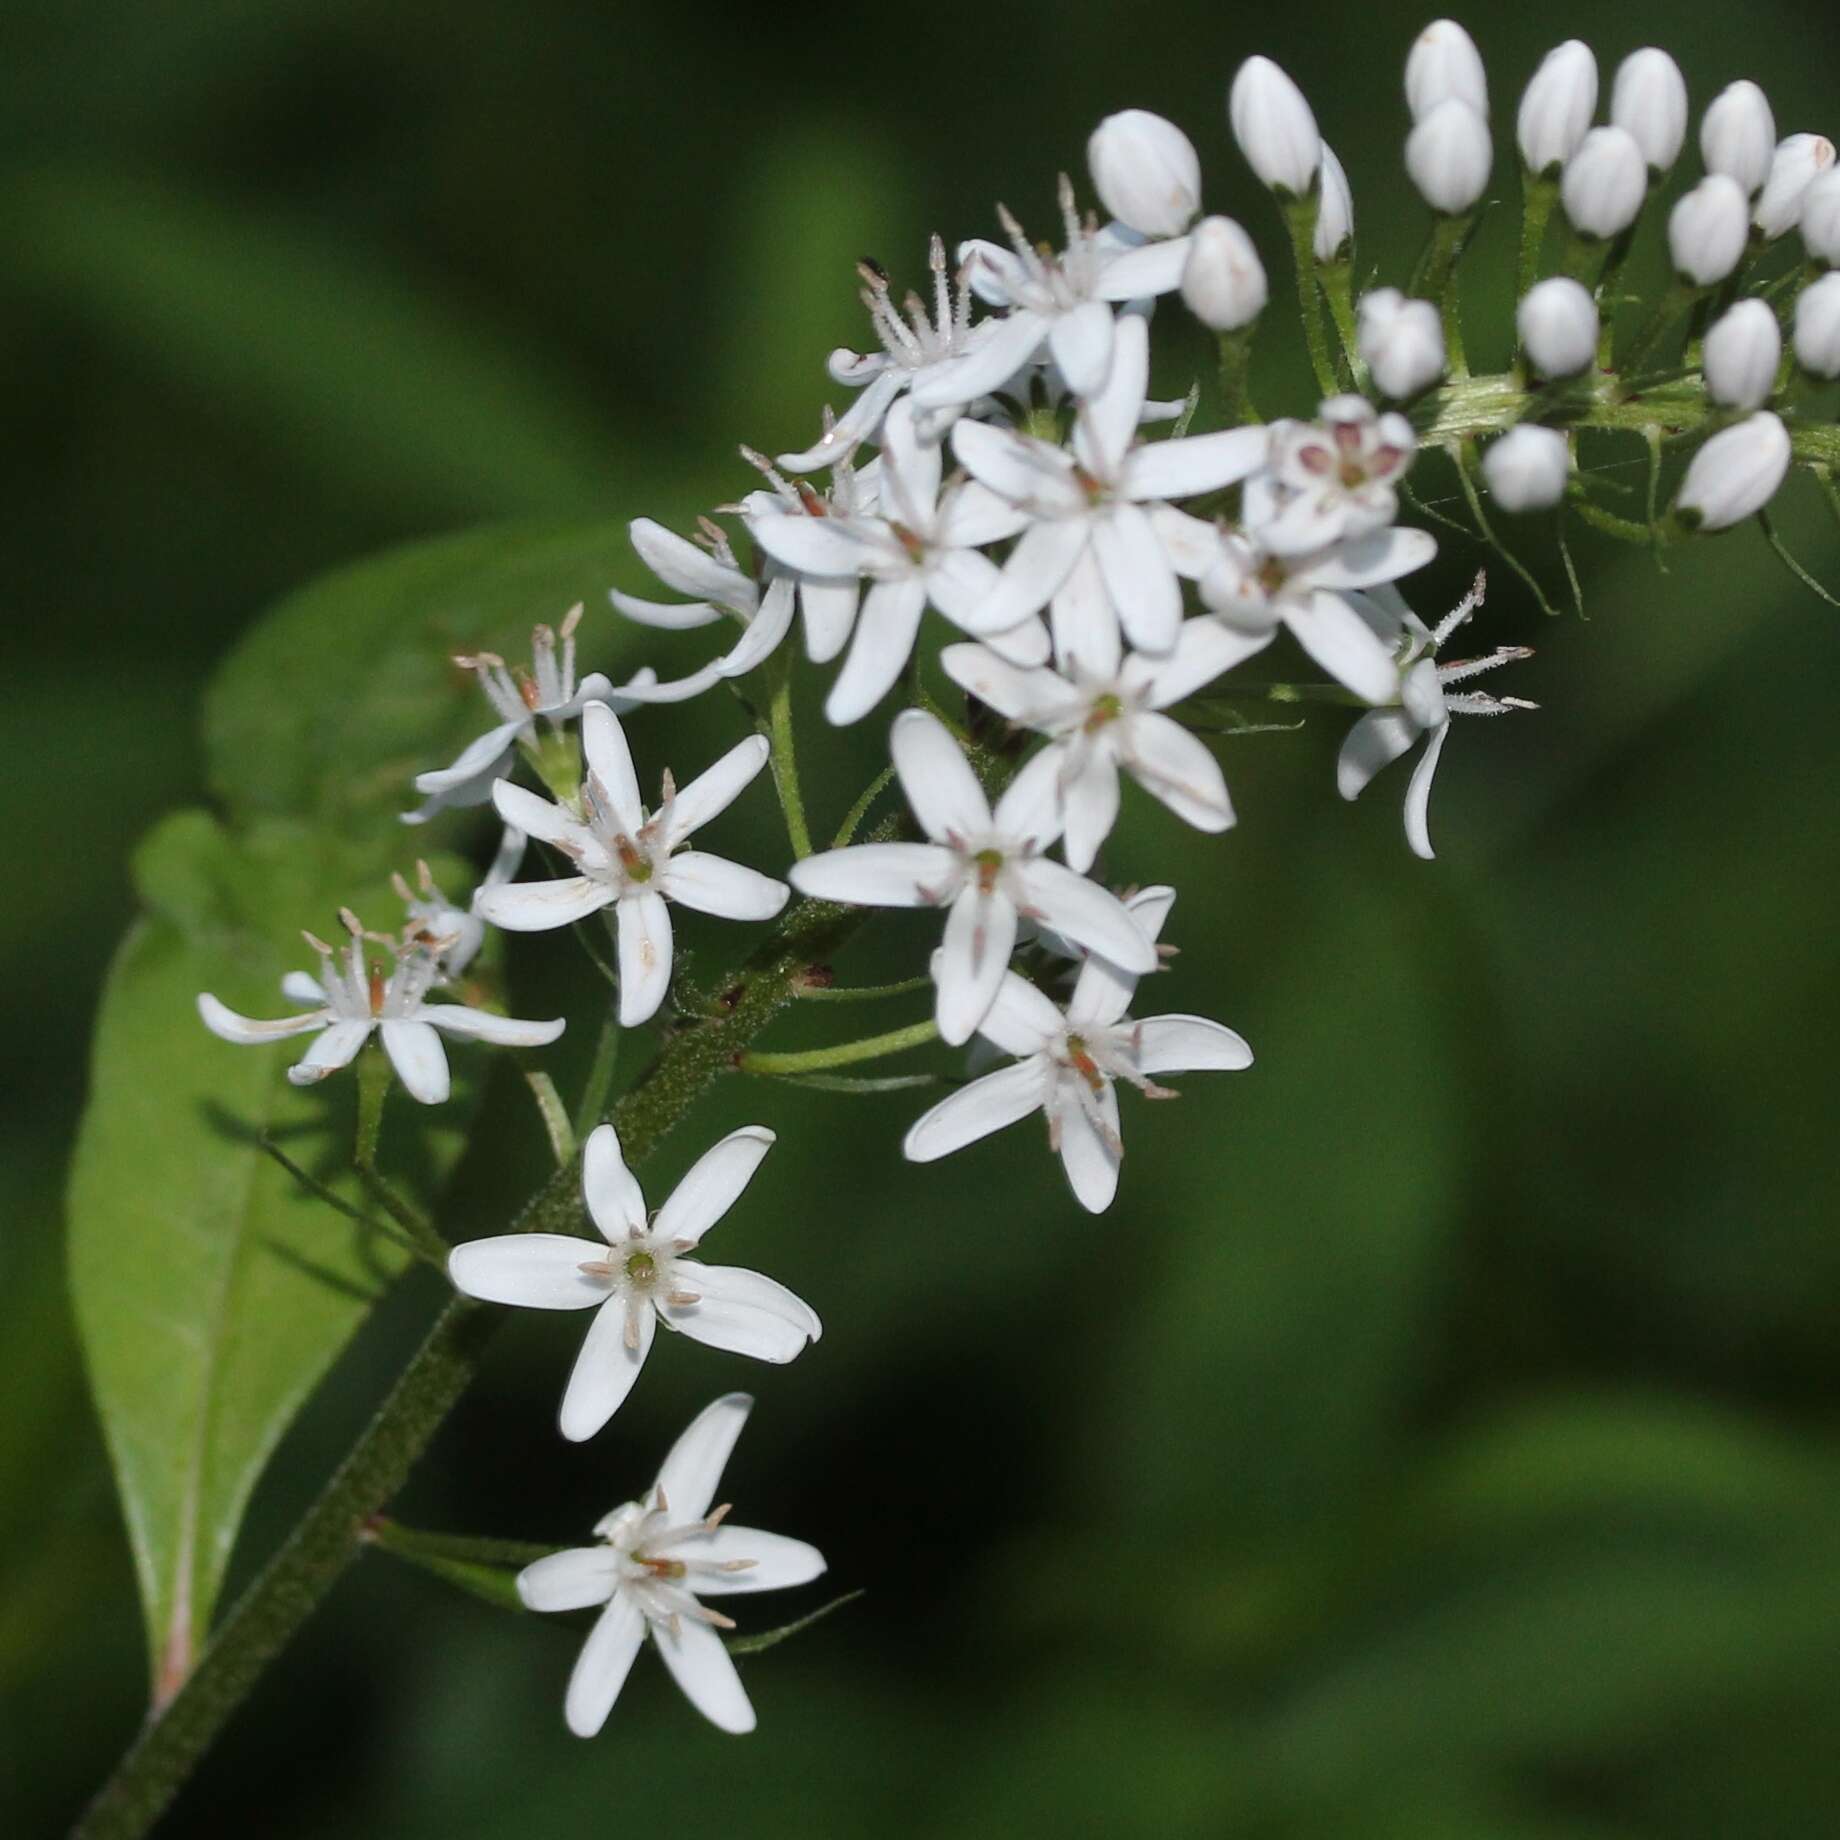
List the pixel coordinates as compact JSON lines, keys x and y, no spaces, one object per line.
{"x":815,"y":1060}
{"x":784,"y":756}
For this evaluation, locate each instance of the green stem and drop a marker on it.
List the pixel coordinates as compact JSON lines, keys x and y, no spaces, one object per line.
{"x":852,"y":822}
{"x":1300,"y":220}
{"x":862,"y":993}
{"x":333,"y":1199}
{"x":1539,"y":194}
{"x":374,"y":1077}
{"x":593,"y":1106}
{"x":1436,"y":279}
{"x":1236,"y":409}
{"x":1464,"y":458}
{"x":551,"y":1110}
{"x":784,"y":756}
{"x":815,"y":1060}
{"x":1337,"y":282}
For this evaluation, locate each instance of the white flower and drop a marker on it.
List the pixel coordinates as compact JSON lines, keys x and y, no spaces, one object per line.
{"x":1796,"y":164}
{"x":548,"y":690}
{"x":1557,"y":106}
{"x":632,"y":861}
{"x":1604,"y":183}
{"x":1104,"y":715}
{"x":924,"y":549}
{"x":1401,"y":341}
{"x":1274,"y":127}
{"x":353,"y":995}
{"x":1332,"y":478}
{"x":986,"y":868}
{"x":1146,"y":172}
{"x":1449,"y":155}
{"x":916,"y":346}
{"x":1821,"y":219}
{"x":1737,"y":134}
{"x":1223,"y":280}
{"x":1736,"y":473}
{"x":1334,"y":209}
{"x":1649,"y":101}
{"x":656,"y":1558}
{"x":1557,"y":323}
{"x":1422,"y":704}
{"x":1066,"y":1067}
{"x":1708,"y":228}
{"x":641,"y":1272}
{"x":1817,"y":327}
{"x":1743,"y":348}
{"x":1064,"y":301}
{"x":1528,"y":467}
{"x":1443,"y":63}
{"x":1092,"y":550}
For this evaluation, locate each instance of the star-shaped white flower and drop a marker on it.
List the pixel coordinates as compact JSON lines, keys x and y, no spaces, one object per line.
{"x":353,"y":995}
{"x":1103,"y":713}
{"x":656,"y":1558}
{"x":1335,"y":478}
{"x":643,"y":1274}
{"x":925,"y":548}
{"x":632,"y":861}
{"x":1068,"y":1063}
{"x":985,"y":867}
{"x":547,"y":692}
{"x":1092,"y":551}
{"x":1421,"y":705}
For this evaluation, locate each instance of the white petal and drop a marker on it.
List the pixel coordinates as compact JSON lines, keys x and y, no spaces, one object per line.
{"x":713,"y":1185}
{"x":535,"y":907}
{"x":1091,"y":799}
{"x":227,"y":1025}
{"x":1082,"y":341}
{"x":537,"y":817}
{"x":1192,"y":544}
{"x":644,"y":937}
{"x":1196,"y":463}
{"x":938,"y":781}
{"x":980,"y":936}
{"x":971,"y":515}
{"x":1091,"y":1163}
{"x":879,"y":875}
{"x":1378,"y":739}
{"x":715,"y":789}
{"x":961,"y":583}
{"x":1138,"y":577}
{"x":531,"y":1271}
{"x":1204,"y":650}
{"x":1025,"y":644}
{"x":731,"y":1284}
{"x":1029,"y":812}
{"x":1189,"y":1044}
{"x":1103,"y":991}
{"x":829,"y":608}
{"x":1042,"y":560}
{"x":1014,"y":693}
{"x":1107,"y":423}
{"x":639,"y":695}
{"x":480,"y":759}
{"x":671,"y":616}
{"x":1380,"y":556}
{"x":1148,"y":270}
{"x":420,"y":1061}
{"x":885,"y":630}
{"x":1418,"y":795}
{"x":695,"y":1655}
{"x":605,"y":1660}
{"x":1012,"y":344}
{"x":729,"y":1314}
{"x":682,"y":565}
{"x":811,"y":545}
{"x":764,"y":632}
{"x":616,"y":1202}
{"x":574,"y":1580}
{"x":1087,"y":914}
{"x":603,"y":741}
{"x":334,"y":1049}
{"x":910,"y":470}
{"x":858,"y":422}
{"x":692,"y":1470}
{"x":1011,"y":465}
{"x":1179,"y":769}
{"x":974,"y":1111}
{"x":461,"y":1019}
{"x":301,"y":987}
{"x":605,"y":1369}
{"x":1086,"y":635}
{"x":778,"y":1563}
{"x":713,"y":885}
{"x":1022,"y":1021}
{"x":1344,"y":645}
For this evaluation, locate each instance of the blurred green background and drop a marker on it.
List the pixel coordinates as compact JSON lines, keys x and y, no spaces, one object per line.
{"x":1437,"y":1439}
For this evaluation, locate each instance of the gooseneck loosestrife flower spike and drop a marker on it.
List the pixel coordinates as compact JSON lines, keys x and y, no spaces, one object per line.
{"x":654,"y":1562}
{"x":995,"y":472}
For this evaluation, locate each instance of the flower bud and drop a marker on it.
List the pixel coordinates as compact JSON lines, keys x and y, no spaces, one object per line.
{"x":1557,"y":106}
{"x":1557,"y":322}
{"x":1334,"y":208}
{"x":1708,"y":229}
{"x":1743,"y":349}
{"x":1223,"y":280}
{"x":1736,"y":473}
{"x":1821,"y":219}
{"x":1449,"y":155}
{"x":1795,"y":165}
{"x":1402,"y":342}
{"x":1146,"y":172}
{"x":1527,"y":468}
{"x":1274,"y":127}
{"x":1817,"y":327}
{"x":1604,"y":183}
{"x":1737,"y":134}
{"x":1649,"y":101}
{"x":1443,"y":63}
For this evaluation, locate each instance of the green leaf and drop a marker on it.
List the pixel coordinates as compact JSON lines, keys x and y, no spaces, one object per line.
{"x":211,"y":1290}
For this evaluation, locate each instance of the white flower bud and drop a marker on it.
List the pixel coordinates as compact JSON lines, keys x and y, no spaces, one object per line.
{"x":1223,"y":280}
{"x":1274,"y":127}
{"x":1557,"y":322}
{"x":1449,"y":155}
{"x":1604,"y":183}
{"x":1334,"y":209}
{"x":1743,"y":349}
{"x":1527,"y":468}
{"x":1817,"y":327}
{"x":1708,"y":229}
{"x":1736,"y":473}
{"x":1821,"y":219}
{"x":1795,"y":165}
{"x":1649,"y":100}
{"x":1557,"y":106}
{"x":1737,"y":134}
{"x":1443,"y":63}
{"x":1146,"y":172}
{"x":1402,"y":342}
